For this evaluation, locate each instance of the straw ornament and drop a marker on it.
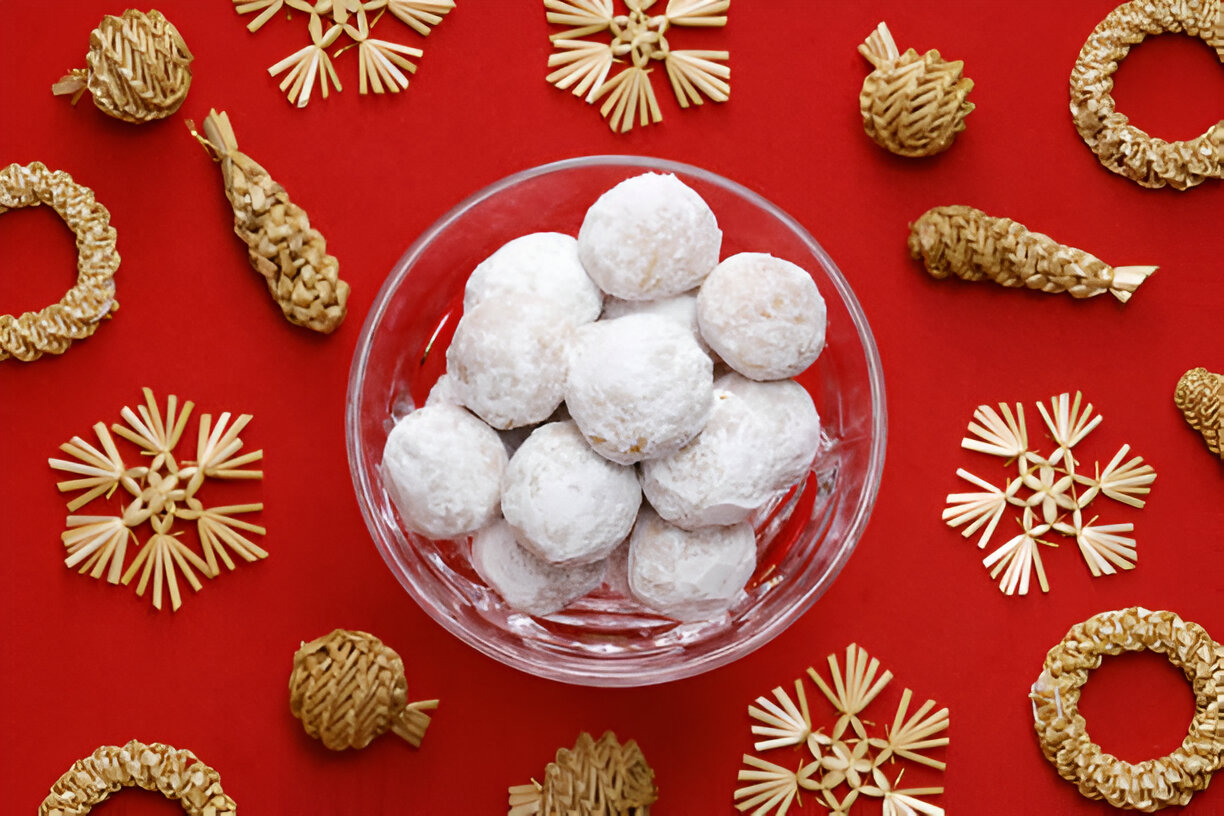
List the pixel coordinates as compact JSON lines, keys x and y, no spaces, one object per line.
{"x":600,"y":777}
{"x":139,"y":68}
{"x":1051,"y":492}
{"x":176,"y":774}
{"x":1120,"y":146}
{"x":157,"y":493}
{"x":284,"y":249}
{"x":912,"y":105}
{"x":348,"y":687}
{"x":637,"y":39}
{"x":852,"y":757}
{"x":80,"y":311}
{"x":968,"y":243}
{"x":1200,"y":398}
{"x":1154,"y":784}
{"x":381,"y":63}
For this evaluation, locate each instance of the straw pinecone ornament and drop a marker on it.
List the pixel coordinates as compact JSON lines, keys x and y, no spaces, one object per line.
{"x":348,"y":687}
{"x":289,"y":254}
{"x":1200,"y":398}
{"x":139,"y":68}
{"x":604,"y":778}
{"x":972,"y":245}
{"x":912,"y":104}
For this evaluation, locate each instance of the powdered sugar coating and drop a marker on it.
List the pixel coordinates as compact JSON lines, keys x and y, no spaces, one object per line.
{"x":689,"y":575}
{"x":639,"y":387}
{"x":680,"y":308}
{"x":442,"y":467}
{"x":543,"y":266}
{"x":762,"y":315}
{"x":566,"y":503}
{"x":650,"y":236}
{"x":761,"y":438}
{"x":526,"y":583}
{"x":508,"y":358}
{"x":444,"y":392}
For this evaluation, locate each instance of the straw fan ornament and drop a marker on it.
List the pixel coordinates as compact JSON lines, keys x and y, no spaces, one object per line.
{"x":348,"y":688}
{"x":968,"y":243}
{"x":383,"y":66}
{"x":1049,"y":494}
{"x":175,"y":773}
{"x":636,"y":40}
{"x":159,"y":493}
{"x":139,"y":68}
{"x":596,"y":777}
{"x":851,"y":760}
{"x":912,"y":105}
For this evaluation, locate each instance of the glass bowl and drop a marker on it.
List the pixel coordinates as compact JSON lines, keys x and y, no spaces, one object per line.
{"x":804,"y":536}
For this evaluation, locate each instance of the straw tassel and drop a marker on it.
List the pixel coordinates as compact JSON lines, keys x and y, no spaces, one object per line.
{"x":972,"y":245}
{"x":289,"y":254}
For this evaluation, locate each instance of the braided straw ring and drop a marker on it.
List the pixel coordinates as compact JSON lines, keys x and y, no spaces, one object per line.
{"x":173,"y":773}
{"x":76,"y":316}
{"x":1155,"y":783}
{"x":1122,"y":147}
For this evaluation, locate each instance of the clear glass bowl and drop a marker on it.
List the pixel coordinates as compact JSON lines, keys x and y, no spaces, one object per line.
{"x":804,"y":536}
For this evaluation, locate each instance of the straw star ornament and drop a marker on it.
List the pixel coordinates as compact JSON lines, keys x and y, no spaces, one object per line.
{"x":159,"y":494}
{"x":636,"y":40}
{"x":1051,"y":493}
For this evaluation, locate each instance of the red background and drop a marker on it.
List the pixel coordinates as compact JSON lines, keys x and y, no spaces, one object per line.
{"x":87,"y":664}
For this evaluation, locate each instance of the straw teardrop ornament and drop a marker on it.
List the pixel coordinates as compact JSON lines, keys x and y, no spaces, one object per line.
{"x":284,"y":249}
{"x":139,"y":68}
{"x":597,"y":777}
{"x":972,"y":245}
{"x":1200,"y":398}
{"x":348,"y":687}
{"x":912,"y":104}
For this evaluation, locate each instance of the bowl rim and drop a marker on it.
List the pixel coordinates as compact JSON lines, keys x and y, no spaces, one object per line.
{"x":577,"y":670}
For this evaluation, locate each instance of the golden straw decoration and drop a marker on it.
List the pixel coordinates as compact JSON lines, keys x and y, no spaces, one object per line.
{"x":595,"y":777}
{"x":1200,"y":397}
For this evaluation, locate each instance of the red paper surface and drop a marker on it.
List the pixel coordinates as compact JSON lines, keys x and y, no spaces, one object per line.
{"x":88,"y":664}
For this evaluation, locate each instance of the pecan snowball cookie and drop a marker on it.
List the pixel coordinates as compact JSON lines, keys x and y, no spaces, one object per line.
{"x":689,"y":575}
{"x":639,"y":387}
{"x":442,"y":468}
{"x":566,"y":503}
{"x":526,"y":583}
{"x":680,"y":308}
{"x":761,"y":438}
{"x":650,"y":236}
{"x":508,"y":360}
{"x":543,"y":265}
{"x":762,"y":315}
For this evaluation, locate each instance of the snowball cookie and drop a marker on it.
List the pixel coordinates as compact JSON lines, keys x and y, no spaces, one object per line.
{"x":442,"y":468}
{"x":524,"y":582}
{"x":638,"y":387}
{"x":566,"y":503}
{"x":444,"y":392}
{"x":680,"y":308}
{"x":508,"y":360}
{"x":762,"y":315}
{"x":761,"y":438}
{"x":689,"y":575}
{"x":543,"y":265}
{"x":649,"y":237}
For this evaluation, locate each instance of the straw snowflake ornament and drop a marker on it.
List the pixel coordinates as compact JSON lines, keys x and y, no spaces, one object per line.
{"x":851,"y":760}
{"x":159,"y":493}
{"x":1051,"y":493}
{"x":383,"y":66}
{"x":636,"y":39}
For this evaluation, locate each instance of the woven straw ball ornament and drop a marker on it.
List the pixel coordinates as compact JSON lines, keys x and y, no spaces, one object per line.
{"x":596,"y":778}
{"x":1200,"y":398}
{"x":912,"y":104}
{"x":139,"y":68}
{"x":348,"y":687}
